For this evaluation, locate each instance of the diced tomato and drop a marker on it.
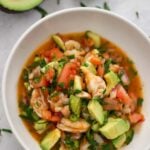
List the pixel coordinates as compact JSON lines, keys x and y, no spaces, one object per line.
{"x":95,"y":61}
{"x":85,"y":42}
{"x":101,"y":71}
{"x":42,"y":83}
{"x":136,"y":117}
{"x":53,"y":53}
{"x":50,"y":75}
{"x":123,"y":95}
{"x":113,"y":107}
{"x":47,"y":115}
{"x":112,"y":104}
{"x":67,"y":74}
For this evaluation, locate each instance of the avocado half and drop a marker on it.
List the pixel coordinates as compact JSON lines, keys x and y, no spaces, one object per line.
{"x":19,"y":5}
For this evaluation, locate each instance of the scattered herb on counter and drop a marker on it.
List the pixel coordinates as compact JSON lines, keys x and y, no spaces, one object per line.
{"x":137,"y":14}
{"x":105,"y":6}
{"x":82,"y":4}
{"x":58,"y":2}
{"x":5,"y":130}
{"x":42,"y":11}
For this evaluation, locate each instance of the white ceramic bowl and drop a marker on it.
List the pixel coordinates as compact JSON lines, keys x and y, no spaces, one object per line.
{"x":111,"y":26}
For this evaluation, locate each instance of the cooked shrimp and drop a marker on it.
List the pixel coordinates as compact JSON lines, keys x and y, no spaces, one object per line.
{"x":35,"y":73}
{"x":84,"y":94}
{"x":38,"y":102}
{"x":95,"y":84}
{"x":73,"y":127}
{"x":74,"y":52}
{"x":72,"y":44}
{"x":65,"y":111}
{"x":84,"y":144}
{"x":40,"y":106}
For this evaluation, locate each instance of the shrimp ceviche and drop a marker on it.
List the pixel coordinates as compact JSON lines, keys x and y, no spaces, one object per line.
{"x":79,"y":91}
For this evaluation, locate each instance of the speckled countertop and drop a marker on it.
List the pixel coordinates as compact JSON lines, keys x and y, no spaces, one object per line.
{"x":13,"y":25}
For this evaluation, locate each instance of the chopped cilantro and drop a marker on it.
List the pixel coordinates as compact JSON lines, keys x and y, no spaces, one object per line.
{"x":107,"y":64}
{"x":25,"y":75}
{"x":140,"y":101}
{"x":37,"y":79}
{"x":90,"y":138}
{"x":61,"y":84}
{"x":71,"y":56}
{"x":72,"y":143}
{"x":107,"y":146}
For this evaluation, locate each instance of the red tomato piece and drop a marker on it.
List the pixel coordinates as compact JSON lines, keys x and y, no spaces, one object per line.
{"x":136,"y":117}
{"x":67,"y":74}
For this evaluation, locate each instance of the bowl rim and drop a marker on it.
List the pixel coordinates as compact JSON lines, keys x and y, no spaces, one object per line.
{"x":57,"y":13}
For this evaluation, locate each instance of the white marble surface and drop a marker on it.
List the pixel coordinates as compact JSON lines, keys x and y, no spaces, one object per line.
{"x":13,"y":25}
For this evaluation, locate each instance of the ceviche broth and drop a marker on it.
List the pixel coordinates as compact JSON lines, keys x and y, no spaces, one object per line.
{"x":80,"y":91}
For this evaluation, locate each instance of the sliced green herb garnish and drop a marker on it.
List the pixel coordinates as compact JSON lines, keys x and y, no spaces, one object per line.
{"x":42,"y":11}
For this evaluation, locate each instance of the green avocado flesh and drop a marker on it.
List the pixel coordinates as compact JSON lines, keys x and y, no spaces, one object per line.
{"x":20,"y":5}
{"x":114,"y":128}
{"x":119,"y":141}
{"x":96,"y":111}
{"x":50,"y":139}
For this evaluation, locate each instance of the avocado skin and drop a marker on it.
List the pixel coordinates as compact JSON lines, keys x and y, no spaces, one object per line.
{"x":8,"y":11}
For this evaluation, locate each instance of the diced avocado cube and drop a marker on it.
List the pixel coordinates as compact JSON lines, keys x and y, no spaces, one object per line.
{"x":77,"y":83}
{"x":59,"y":42}
{"x":75,"y":105}
{"x":96,"y":111}
{"x":114,"y":128}
{"x":40,"y":126}
{"x":95,"y":37}
{"x":50,"y":139}
{"x":88,"y":65}
{"x":53,"y":64}
{"x":119,"y":141}
{"x":112,"y":80}
{"x":95,"y":127}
